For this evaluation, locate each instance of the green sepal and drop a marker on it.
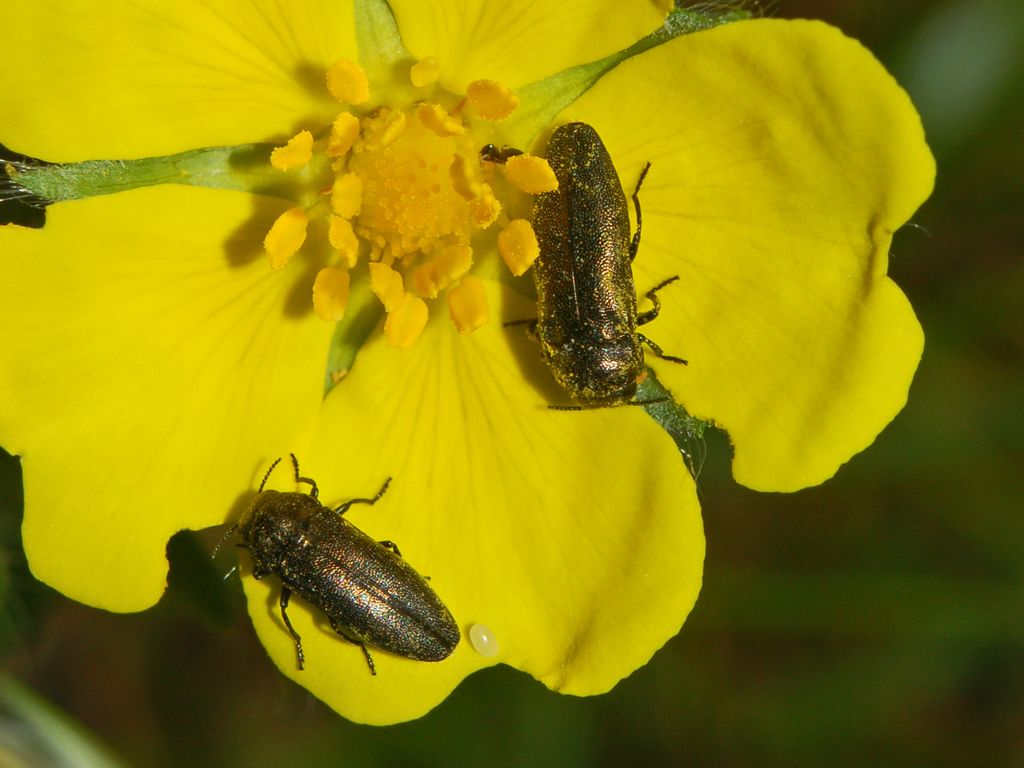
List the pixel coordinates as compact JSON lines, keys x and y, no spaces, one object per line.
{"x":379,"y":42}
{"x":244,"y":167}
{"x":540,"y":102}
{"x":686,"y":431}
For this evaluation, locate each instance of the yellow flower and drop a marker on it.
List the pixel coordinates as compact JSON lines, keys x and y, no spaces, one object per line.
{"x":155,"y":361}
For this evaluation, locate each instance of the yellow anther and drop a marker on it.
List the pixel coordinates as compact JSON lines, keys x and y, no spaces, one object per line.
{"x":442,"y":270}
{"x":425,"y":71}
{"x":492,"y":100}
{"x":387,"y":284}
{"x":347,"y":195}
{"x":380,"y":130}
{"x":393,"y":127}
{"x":286,"y":236}
{"x":342,"y":238}
{"x":330,"y":293}
{"x":347,"y":82}
{"x":464,"y":183}
{"x":517,"y":244}
{"x":344,"y":132}
{"x":530,"y":174}
{"x":467,"y":304}
{"x":406,"y":322}
{"x":434,"y":117}
{"x":485,"y":209}
{"x":297,"y":152}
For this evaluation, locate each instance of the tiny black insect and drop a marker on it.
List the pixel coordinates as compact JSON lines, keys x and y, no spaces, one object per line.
{"x":586,"y":302}
{"x":370,"y":594}
{"x":496,"y":154}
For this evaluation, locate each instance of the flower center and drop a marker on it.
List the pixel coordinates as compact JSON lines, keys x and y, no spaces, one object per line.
{"x":404,"y":191}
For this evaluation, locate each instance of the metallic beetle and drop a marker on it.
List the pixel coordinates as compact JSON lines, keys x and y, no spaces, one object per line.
{"x":370,"y":594}
{"x":586,"y":302}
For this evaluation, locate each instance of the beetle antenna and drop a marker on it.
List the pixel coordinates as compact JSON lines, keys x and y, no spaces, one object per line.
{"x":223,"y":538}
{"x":267,"y":476}
{"x":315,"y":492}
{"x":234,"y":527}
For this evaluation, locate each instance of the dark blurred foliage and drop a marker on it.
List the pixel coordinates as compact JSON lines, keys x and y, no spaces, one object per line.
{"x":876,"y":619}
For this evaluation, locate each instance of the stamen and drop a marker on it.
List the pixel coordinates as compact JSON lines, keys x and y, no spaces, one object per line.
{"x":530,"y":174}
{"x":492,"y":100}
{"x":347,"y":82}
{"x":344,"y":132}
{"x":384,"y":130}
{"x":296,"y":153}
{"x":409,"y":189}
{"x":517,"y":244}
{"x":434,"y":117}
{"x":344,"y":239}
{"x":286,"y":236}
{"x":442,"y":270}
{"x":425,"y":71}
{"x":347,"y":195}
{"x":330,"y":293}
{"x":485,"y":209}
{"x":467,"y":304}
{"x":406,"y":322}
{"x":464,"y":183}
{"x":387,"y":284}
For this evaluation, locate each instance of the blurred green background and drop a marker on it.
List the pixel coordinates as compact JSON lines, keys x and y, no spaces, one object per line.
{"x":876,"y":619}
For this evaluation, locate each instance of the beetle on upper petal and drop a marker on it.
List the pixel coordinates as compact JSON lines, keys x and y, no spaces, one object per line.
{"x":587,"y":315}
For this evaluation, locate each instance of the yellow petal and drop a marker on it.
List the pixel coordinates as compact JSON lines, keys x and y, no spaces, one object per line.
{"x":150,"y":78}
{"x":778,"y":176}
{"x":549,"y":527}
{"x":174,"y":365}
{"x":518,"y":43}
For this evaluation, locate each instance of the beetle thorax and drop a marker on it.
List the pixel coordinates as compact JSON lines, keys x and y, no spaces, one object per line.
{"x":598,"y":372}
{"x":275,"y":523}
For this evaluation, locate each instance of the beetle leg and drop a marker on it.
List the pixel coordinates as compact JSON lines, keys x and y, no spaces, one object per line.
{"x":369,"y":658}
{"x":645,"y":317}
{"x":658,"y":351}
{"x":285,"y":596}
{"x":531,"y":326}
{"x":634,"y":244}
{"x":342,"y":509}
{"x":356,"y":641}
{"x":390,"y":545}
